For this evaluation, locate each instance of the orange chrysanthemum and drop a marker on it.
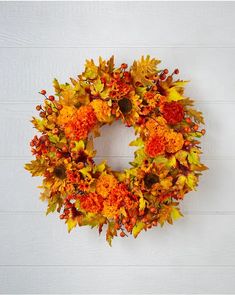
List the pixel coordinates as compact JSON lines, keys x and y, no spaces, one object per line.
{"x":91,"y":202}
{"x":155,"y":146}
{"x":119,"y":197}
{"x":105,"y":183}
{"x":174,"y":142}
{"x":81,"y":123}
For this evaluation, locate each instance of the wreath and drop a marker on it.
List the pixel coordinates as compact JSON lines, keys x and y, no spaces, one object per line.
{"x":166,"y":162}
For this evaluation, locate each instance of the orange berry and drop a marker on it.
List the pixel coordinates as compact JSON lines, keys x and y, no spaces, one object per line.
{"x":123,"y":65}
{"x":59,"y":107}
{"x":38,"y":107}
{"x":133,"y":220}
{"x":166,"y":71}
{"x":203,"y":131}
{"x":187,"y":129}
{"x":188,"y":120}
{"x":187,"y":143}
{"x":195,"y":127}
{"x":122,"y":234}
{"x":152,"y":209}
{"x":42,"y":114}
{"x":49,"y":111}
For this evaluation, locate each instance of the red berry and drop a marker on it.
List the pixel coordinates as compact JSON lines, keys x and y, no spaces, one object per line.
{"x":51,"y":98}
{"x":59,"y":107}
{"x":195,"y":127}
{"x":176,"y":71}
{"x":58,"y":154}
{"x":64,"y":149}
{"x":49,"y":111}
{"x":166,"y":71}
{"x":123,"y":66}
{"x":43,"y":92}
{"x":122,"y":234}
{"x":163,"y":77}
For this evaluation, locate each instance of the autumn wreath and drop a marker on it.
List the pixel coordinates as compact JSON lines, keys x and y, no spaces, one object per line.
{"x":166,"y":163}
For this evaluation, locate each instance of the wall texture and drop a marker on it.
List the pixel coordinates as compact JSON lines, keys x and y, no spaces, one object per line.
{"x":43,"y":40}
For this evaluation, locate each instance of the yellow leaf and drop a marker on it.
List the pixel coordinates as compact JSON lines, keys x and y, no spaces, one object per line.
{"x":79,"y":145}
{"x":137,"y":142}
{"x":142,"y":203}
{"x":143,"y":69}
{"x":175,"y":213}
{"x":71,"y":223}
{"x":137,"y":228}
{"x":91,"y":70}
{"x":100,"y":168}
{"x":191,"y":181}
{"x":181,"y":181}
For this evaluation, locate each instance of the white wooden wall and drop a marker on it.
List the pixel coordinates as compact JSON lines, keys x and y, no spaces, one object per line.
{"x":43,"y":40}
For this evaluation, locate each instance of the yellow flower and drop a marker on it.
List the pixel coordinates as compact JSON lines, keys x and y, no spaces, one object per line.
{"x":102,"y":110}
{"x":105,"y":183}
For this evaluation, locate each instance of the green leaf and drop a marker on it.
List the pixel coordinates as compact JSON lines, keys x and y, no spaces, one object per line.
{"x":53,"y":138}
{"x":137,"y":228}
{"x":181,"y":156}
{"x":193,"y":156}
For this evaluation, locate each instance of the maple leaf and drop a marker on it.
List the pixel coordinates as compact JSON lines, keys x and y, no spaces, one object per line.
{"x":196,"y":115}
{"x":91,"y":70}
{"x":37,"y":167}
{"x":111,"y":232}
{"x":143,"y":69}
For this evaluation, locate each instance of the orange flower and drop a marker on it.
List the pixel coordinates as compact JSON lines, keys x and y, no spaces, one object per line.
{"x":173,"y":112}
{"x":174,"y":142}
{"x":155,"y":146}
{"x":80,"y":123}
{"x":105,"y":183}
{"x":91,"y":202}
{"x":119,"y":197}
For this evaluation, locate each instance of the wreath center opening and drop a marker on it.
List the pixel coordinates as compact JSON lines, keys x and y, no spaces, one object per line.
{"x":113,"y":145}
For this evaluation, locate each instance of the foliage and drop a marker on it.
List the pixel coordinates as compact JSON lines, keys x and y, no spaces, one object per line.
{"x":166,"y":162}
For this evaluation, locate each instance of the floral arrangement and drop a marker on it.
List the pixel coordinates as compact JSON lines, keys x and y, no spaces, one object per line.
{"x":166,"y":162}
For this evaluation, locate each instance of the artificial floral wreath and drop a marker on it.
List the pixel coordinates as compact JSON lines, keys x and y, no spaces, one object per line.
{"x":166,"y":164}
